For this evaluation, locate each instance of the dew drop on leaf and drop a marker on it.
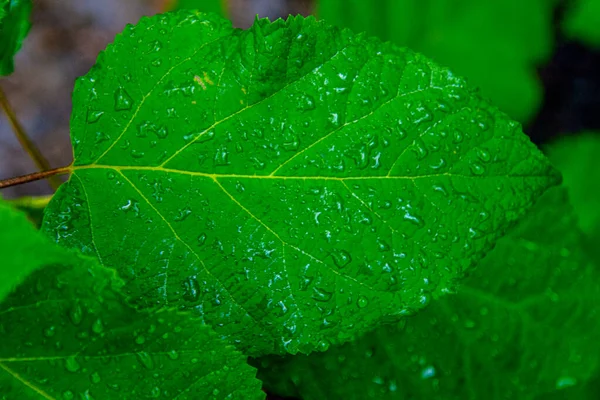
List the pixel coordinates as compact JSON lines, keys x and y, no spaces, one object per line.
{"x":321,"y":294}
{"x":98,"y":326}
{"x":72,"y":365}
{"x":477,"y":169}
{"x":362,"y":302}
{"x":50,"y":331}
{"x":68,"y":395}
{"x":484,"y":155}
{"x":137,"y":153}
{"x":428,"y":372}
{"x":95,"y":377}
{"x":183,"y":214}
{"x":76,"y":314}
{"x":191,"y":289}
{"x":341,"y":258}
{"x":123,"y":101}
{"x":565,"y":382}
{"x":145,"y":359}
{"x":93,"y":116}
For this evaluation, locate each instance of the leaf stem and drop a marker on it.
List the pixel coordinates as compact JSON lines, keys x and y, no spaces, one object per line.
{"x":26,"y":142}
{"x":34,"y":176}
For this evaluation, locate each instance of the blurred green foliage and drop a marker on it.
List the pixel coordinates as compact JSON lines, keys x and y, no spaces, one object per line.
{"x":214,"y":6}
{"x":582,"y":21}
{"x":14,"y":26}
{"x":576,"y":157}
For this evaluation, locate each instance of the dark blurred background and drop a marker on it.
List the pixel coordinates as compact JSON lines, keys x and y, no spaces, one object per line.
{"x":68,"y":34}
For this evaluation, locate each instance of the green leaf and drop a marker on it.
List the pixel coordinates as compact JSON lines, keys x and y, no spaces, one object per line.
{"x":525,"y":324}
{"x":294,"y":184}
{"x":497,"y":45}
{"x":577,"y":158}
{"x":18,"y":241}
{"x":14,"y":26}
{"x":582,"y":21}
{"x":32,"y":206}
{"x":68,"y":333}
{"x":215,"y":6}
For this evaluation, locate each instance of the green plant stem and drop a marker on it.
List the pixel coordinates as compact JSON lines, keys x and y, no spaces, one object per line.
{"x":34,"y":177}
{"x":26,"y":142}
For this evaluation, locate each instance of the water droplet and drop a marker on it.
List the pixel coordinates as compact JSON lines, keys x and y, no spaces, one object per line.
{"x":306,"y":102}
{"x":93,"y":116}
{"x":258,"y":163}
{"x":413,"y":219}
{"x":206,"y":136}
{"x":95,"y":377}
{"x":145,"y":359}
{"x":362,"y":302}
{"x":183,"y":214}
{"x":382,"y":245}
{"x":101,"y":137}
{"x":321,"y":294}
{"x":72,"y":365}
{"x":123,"y":101}
{"x":50,"y":331}
{"x":201,"y":239}
{"x":215,"y":392}
{"x":68,"y":395}
{"x":341,"y":258}
{"x":457,"y":137}
{"x":161,"y":132}
{"x":477,"y":169}
{"x":292,"y":145}
{"x":191,"y":289}
{"x":131,"y":205}
{"x":428,"y":372}
{"x":98,"y":326}
{"x":76,"y":314}
{"x":565,"y":382}
{"x":484,"y":155}
{"x":140,"y":339}
{"x":136,"y":153}
{"x":469,"y":324}
{"x":173,"y":355}
{"x":221,"y":157}
{"x":155,"y":392}
{"x":155,"y":46}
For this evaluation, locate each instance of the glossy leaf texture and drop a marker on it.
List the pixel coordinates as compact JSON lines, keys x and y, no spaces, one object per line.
{"x":294,"y":184}
{"x":577,"y":158}
{"x":18,"y":242}
{"x":67,"y":333}
{"x":14,"y":26}
{"x":582,"y":21}
{"x":218,"y":7}
{"x":497,"y":45}
{"x":523,"y":326}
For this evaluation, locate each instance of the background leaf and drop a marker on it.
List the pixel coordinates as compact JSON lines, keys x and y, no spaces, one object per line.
{"x":522,"y":326}
{"x":19,"y":242}
{"x":496,"y":44}
{"x":577,"y":158}
{"x":582,"y":21}
{"x":67,"y":333}
{"x":218,"y":7}
{"x":293,"y":184}
{"x":14,"y":26}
